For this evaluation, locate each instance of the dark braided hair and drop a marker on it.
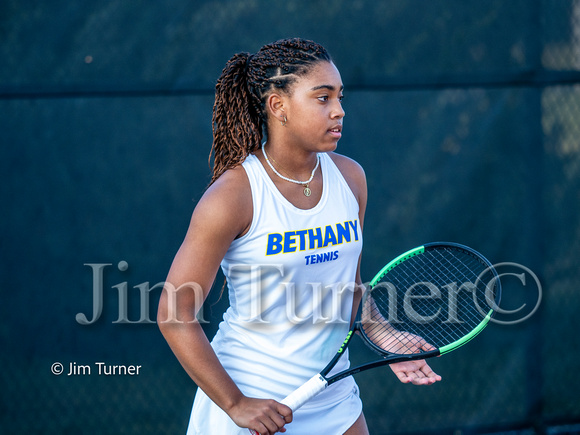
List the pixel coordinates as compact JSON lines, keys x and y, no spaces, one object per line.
{"x":239,"y":112}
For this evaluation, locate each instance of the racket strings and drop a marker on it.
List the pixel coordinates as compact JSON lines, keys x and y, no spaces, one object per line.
{"x":432,"y":299}
{"x":390,"y":339}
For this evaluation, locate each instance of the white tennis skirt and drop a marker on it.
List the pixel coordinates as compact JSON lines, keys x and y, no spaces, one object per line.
{"x":332,"y":417}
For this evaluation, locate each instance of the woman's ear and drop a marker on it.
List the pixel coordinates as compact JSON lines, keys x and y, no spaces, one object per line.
{"x":275,"y":107}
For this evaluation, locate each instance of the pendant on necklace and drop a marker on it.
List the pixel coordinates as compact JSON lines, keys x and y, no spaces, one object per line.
{"x":307,"y":191}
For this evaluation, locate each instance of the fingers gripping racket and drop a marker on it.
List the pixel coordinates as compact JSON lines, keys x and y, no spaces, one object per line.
{"x":426,"y":302}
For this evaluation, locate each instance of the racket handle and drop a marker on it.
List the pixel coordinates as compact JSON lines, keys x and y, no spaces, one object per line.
{"x":303,"y":394}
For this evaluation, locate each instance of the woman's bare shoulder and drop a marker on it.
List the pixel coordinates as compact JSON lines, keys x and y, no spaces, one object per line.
{"x":226,"y":205}
{"x":353,"y":173}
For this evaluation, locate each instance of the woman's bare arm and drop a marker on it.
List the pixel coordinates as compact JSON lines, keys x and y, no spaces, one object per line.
{"x":223,"y":214}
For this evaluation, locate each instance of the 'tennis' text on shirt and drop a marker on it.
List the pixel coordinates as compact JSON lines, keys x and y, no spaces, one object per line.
{"x":313,"y":238}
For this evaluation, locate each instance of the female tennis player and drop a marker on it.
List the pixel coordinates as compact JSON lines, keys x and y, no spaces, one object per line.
{"x":283,"y":216}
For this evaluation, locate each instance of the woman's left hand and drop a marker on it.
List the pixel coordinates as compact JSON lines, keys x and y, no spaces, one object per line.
{"x":416,"y":372}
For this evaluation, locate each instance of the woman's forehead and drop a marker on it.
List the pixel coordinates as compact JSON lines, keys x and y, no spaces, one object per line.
{"x":324,"y":75}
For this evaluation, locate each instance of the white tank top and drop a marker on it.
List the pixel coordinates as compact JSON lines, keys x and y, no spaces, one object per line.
{"x":290,"y":280}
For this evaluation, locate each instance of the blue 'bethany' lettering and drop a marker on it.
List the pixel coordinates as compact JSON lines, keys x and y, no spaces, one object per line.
{"x":315,"y":239}
{"x":312,"y":238}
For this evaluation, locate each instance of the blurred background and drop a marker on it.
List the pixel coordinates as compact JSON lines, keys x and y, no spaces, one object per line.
{"x":464,"y":114}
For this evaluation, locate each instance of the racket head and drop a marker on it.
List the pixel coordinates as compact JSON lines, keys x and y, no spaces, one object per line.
{"x":429,"y":300}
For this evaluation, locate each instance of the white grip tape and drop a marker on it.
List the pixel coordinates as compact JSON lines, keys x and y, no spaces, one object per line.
{"x":303,"y":394}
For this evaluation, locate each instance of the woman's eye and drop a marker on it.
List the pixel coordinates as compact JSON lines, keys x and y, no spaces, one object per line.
{"x":340,"y":98}
{"x":323,"y":98}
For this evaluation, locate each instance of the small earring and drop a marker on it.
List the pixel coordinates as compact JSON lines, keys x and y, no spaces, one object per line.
{"x":283,"y":123}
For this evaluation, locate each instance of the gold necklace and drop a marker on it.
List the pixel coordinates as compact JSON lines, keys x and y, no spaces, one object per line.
{"x":307,"y":191}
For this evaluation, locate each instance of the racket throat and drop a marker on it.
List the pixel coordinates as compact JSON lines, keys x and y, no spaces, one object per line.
{"x":326,"y":370}
{"x":388,"y":360}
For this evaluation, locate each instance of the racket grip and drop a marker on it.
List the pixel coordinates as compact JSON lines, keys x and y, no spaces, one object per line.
{"x":304,"y":393}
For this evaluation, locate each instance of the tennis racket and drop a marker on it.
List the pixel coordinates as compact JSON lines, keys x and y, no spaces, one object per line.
{"x":426,"y":302}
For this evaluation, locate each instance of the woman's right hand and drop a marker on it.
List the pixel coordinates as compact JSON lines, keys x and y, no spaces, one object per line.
{"x":264,"y":416}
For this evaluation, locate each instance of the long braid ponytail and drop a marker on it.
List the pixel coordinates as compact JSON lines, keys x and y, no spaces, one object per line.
{"x":237,"y":127}
{"x":239,"y":114}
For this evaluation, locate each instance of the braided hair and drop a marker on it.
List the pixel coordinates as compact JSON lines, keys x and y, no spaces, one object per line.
{"x":239,"y":112}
